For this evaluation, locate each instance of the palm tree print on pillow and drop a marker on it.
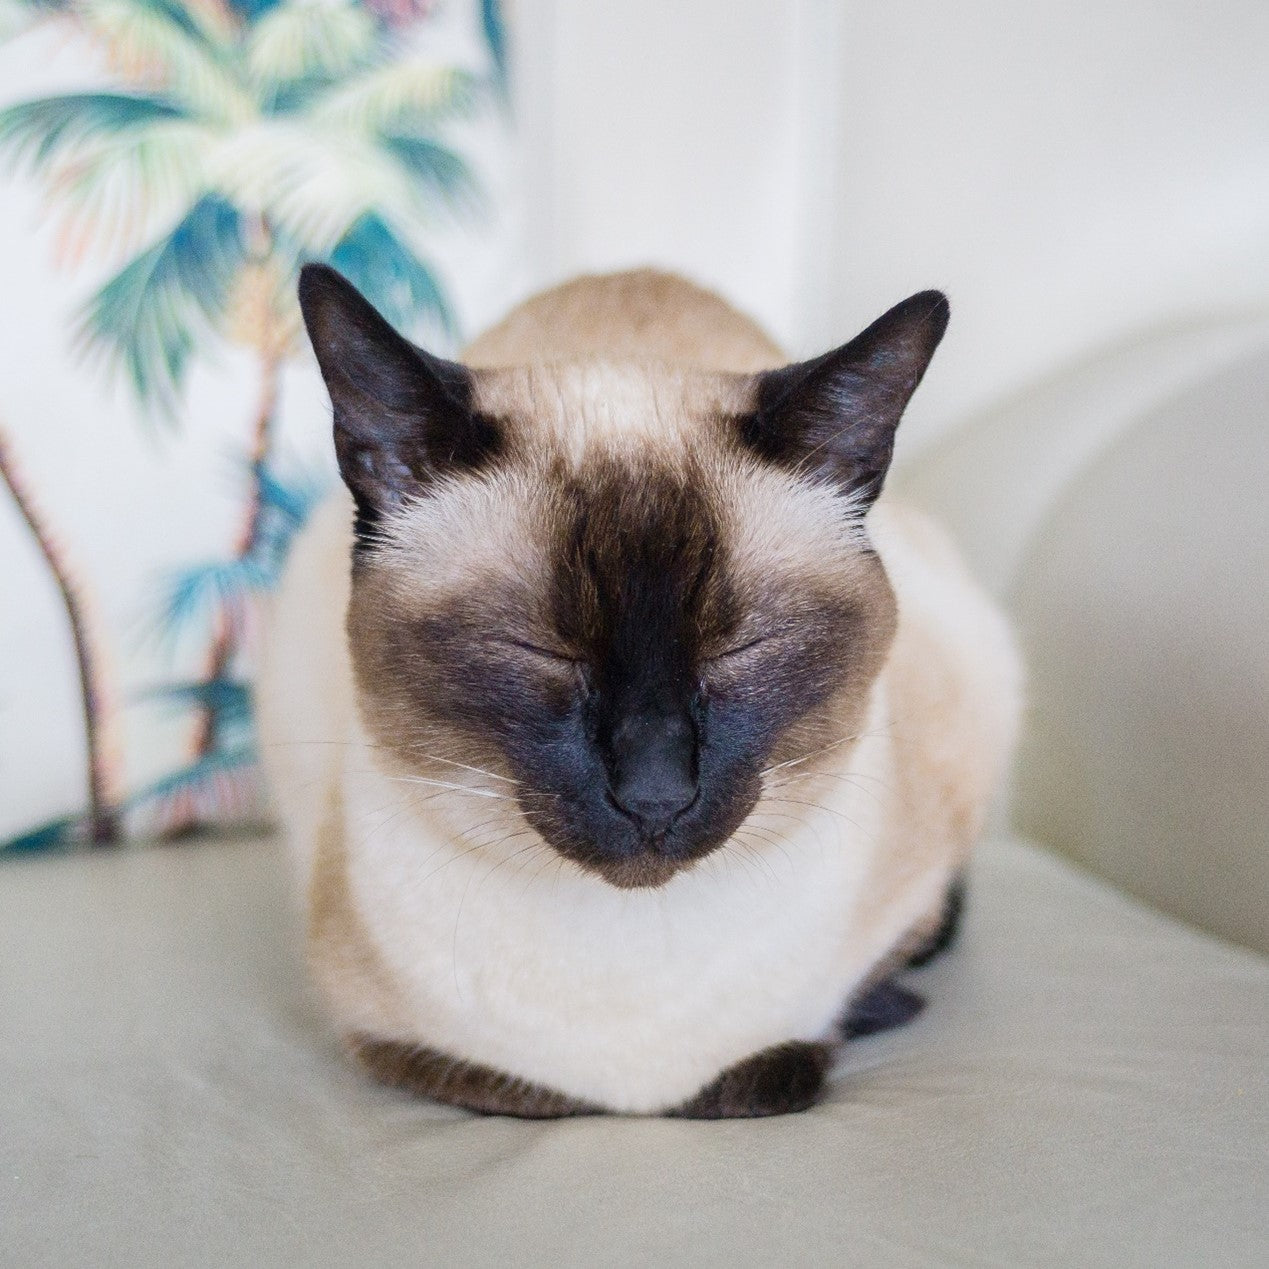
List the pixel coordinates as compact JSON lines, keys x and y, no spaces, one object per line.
{"x":240,"y":139}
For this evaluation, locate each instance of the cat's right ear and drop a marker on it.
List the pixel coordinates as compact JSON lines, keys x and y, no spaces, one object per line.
{"x":403,"y":418}
{"x":834,"y":418}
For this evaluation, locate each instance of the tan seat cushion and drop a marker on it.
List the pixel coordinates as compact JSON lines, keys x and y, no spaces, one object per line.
{"x":1087,"y":1087}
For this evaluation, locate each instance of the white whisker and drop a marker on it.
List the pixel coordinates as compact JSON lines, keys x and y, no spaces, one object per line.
{"x":449,"y":762}
{"x":806,"y":757}
{"x":454,"y":788}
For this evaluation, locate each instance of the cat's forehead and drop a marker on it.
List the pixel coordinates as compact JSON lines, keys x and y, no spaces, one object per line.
{"x":578,"y":410}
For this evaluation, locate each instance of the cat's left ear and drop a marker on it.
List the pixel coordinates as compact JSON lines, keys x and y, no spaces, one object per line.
{"x":835,"y":417}
{"x":403,"y":418}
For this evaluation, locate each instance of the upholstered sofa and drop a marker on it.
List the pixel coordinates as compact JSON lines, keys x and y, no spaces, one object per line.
{"x":1088,"y":1086}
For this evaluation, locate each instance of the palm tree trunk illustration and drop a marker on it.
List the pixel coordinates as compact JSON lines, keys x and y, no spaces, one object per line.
{"x":103,"y":819}
{"x":262,"y":330}
{"x":262,"y":321}
{"x":228,"y":635}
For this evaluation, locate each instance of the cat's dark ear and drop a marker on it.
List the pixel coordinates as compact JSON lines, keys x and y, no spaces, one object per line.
{"x":402,"y":416}
{"x":835,"y":417}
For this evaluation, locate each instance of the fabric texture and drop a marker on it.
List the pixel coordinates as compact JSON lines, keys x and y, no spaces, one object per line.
{"x":166,"y":166}
{"x":1087,"y":1086}
{"x":1175,"y":652}
{"x":1119,"y":512}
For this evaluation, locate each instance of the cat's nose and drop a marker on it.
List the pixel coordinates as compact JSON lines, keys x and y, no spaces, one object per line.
{"x":653,"y":776}
{"x":654,"y":804}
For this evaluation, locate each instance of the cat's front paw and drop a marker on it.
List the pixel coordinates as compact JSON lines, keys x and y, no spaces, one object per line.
{"x":427,"y":1073}
{"x":777,"y":1081}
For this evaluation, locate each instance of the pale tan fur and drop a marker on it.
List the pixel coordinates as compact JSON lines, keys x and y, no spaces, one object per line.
{"x":542,"y":970}
{"x":642,"y":315}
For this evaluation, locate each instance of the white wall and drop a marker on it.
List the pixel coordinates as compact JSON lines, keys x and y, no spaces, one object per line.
{"x":1069,"y":172}
{"x":663,"y":132}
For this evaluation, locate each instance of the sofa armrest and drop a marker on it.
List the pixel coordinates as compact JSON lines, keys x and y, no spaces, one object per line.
{"x":1129,"y":535}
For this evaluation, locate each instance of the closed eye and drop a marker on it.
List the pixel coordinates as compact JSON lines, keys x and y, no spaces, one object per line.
{"x":742,"y":648}
{"x":537,"y":650}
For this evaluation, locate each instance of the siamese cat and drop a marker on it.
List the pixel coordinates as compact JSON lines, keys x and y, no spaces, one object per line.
{"x":628,"y":745}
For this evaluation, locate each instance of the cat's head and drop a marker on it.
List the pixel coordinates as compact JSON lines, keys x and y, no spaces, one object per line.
{"x":625,"y":590}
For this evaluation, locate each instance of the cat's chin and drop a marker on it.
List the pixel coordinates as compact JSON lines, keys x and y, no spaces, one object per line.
{"x":640,"y":872}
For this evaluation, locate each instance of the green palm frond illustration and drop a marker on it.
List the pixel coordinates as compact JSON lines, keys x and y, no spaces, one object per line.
{"x":240,"y":139}
{"x":221,"y":785}
{"x":150,"y":315}
{"x":206,"y":592}
{"x":496,"y":38}
{"x":250,"y":138}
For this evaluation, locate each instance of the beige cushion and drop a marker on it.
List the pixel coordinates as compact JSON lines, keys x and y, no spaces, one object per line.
{"x":1087,"y":1087}
{"x":1143,"y":602}
{"x":1122,"y":512}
